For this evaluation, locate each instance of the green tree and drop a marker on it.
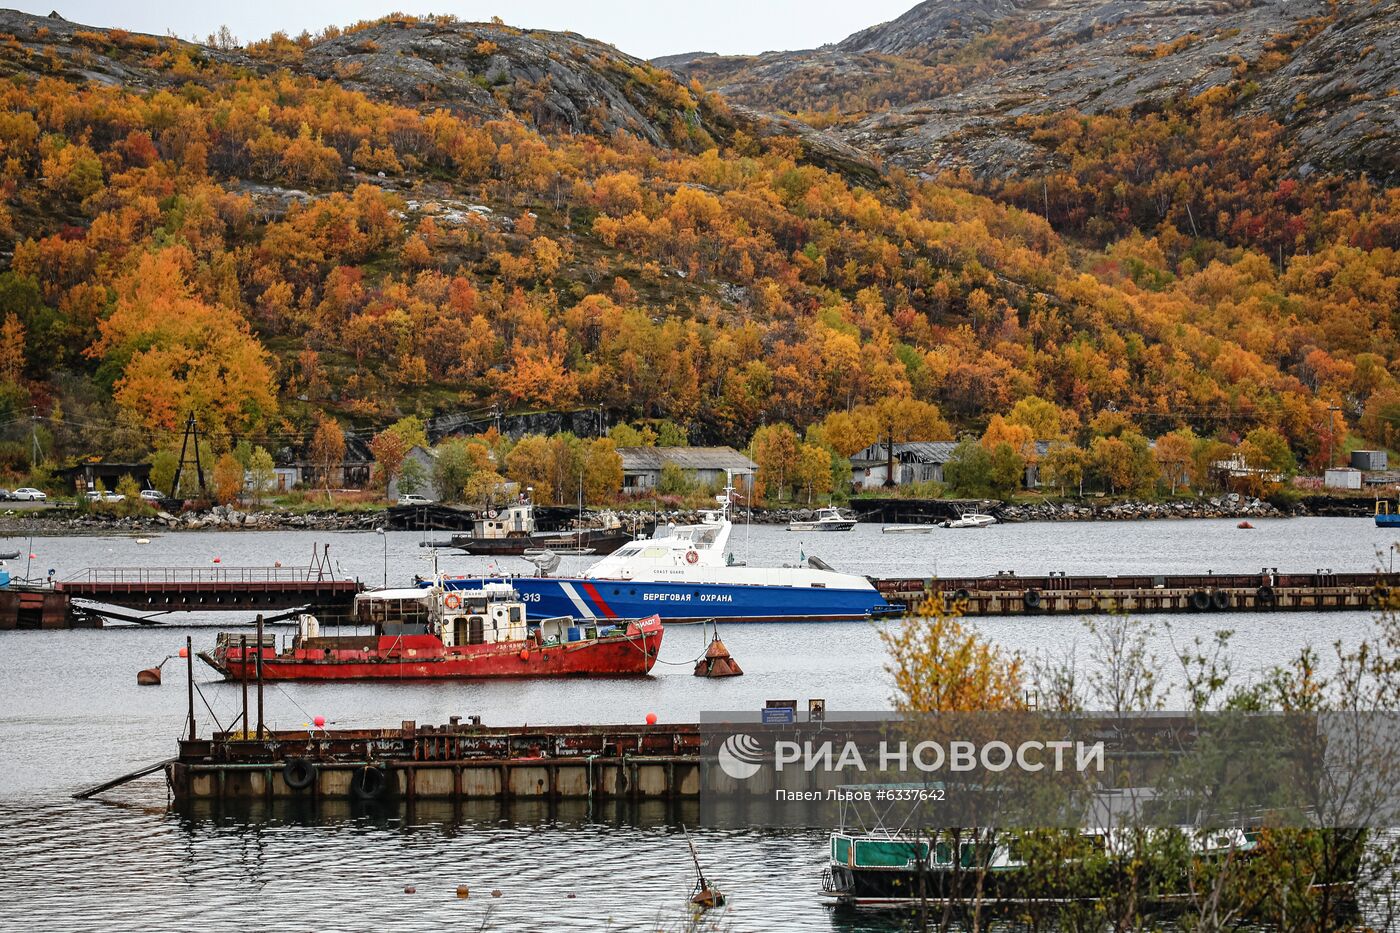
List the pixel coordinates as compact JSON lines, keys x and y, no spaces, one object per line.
{"x":530,"y":465}
{"x":458,"y":459}
{"x":670,"y":434}
{"x":1006,"y":470}
{"x":261,"y":473}
{"x":163,"y":463}
{"x":1064,"y":465}
{"x":813,"y":472}
{"x":968,"y":471}
{"x":413,"y":476}
{"x":1273,"y":451}
{"x":675,"y":481}
{"x":328,"y":450}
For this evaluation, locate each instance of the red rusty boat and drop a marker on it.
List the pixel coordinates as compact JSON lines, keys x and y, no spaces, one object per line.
{"x":432,"y":633}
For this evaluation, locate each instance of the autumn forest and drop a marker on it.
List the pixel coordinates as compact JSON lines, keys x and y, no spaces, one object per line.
{"x":225,"y":232}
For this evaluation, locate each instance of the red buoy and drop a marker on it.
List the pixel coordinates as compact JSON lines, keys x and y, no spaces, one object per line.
{"x":524,"y":654}
{"x":184,"y":652}
{"x":319,"y":721}
{"x":651,"y":719}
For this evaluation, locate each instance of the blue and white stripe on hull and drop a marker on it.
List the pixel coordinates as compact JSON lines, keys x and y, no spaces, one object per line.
{"x":593,"y":598}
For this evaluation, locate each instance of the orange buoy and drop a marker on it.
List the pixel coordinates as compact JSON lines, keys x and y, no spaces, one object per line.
{"x":651,"y":719}
{"x":1244,"y":525}
{"x":524,"y":654}
{"x":184,"y":652}
{"x":717,"y":662}
{"x":150,"y":677}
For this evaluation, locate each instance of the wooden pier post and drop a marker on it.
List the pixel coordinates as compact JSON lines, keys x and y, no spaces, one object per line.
{"x":189,"y":671}
{"x":260,"y":677}
{"x":243,"y":655}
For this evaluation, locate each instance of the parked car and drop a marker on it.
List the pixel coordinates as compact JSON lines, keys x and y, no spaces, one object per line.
{"x":152,"y":495}
{"x":6,"y":494}
{"x":113,"y":497}
{"x":412,"y":498}
{"x":30,"y":494}
{"x":93,"y":495}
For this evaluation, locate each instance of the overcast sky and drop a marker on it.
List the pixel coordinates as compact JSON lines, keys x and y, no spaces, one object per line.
{"x":639,"y":27}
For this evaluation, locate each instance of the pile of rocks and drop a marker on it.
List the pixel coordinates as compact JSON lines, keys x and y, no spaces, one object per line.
{"x":225,"y":517}
{"x":1228,"y":506}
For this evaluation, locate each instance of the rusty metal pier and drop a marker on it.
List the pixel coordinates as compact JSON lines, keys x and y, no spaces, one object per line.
{"x":210,"y":588}
{"x":1007,"y":593}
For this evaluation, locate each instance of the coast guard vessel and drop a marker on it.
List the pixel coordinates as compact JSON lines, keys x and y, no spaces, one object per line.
{"x":686,"y":575}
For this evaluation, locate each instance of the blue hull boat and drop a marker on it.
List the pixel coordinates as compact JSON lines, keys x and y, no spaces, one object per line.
{"x":594,"y":598}
{"x":686,"y":575}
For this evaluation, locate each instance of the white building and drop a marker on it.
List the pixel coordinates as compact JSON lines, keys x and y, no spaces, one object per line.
{"x":1342,"y":478}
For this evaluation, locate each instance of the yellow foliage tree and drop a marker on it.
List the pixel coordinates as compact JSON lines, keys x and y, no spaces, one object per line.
{"x":181,"y":354}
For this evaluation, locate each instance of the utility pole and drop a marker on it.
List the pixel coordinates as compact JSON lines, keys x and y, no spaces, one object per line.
{"x":191,"y":433}
{"x":1331,"y":429}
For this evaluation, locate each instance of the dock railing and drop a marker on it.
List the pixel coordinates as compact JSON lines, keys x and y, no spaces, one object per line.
{"x":165,"y":576}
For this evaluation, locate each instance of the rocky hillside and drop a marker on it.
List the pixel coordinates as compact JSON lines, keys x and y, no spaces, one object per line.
{"x":948,"y":83}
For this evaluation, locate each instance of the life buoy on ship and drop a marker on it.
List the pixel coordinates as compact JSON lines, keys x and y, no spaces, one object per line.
{"x":299,"y":773}
{"x":692,"y":557}
{"x":452,"y":601}
{"x":491,"y":514}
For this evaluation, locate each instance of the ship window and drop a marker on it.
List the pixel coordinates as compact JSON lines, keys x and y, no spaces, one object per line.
{"x":616,"y":591}
{"x":515,"y":613}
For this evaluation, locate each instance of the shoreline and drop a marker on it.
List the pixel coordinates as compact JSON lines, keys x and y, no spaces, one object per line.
{"x":60,"y":522}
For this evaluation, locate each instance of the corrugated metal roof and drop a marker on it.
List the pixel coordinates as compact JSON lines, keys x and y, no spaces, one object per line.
{"x":916,"y":451}
{"x":643,"y":459}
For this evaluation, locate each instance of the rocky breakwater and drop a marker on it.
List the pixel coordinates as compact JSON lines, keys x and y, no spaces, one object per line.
{"x":219,"y":518}
{"x":1228,"y":506}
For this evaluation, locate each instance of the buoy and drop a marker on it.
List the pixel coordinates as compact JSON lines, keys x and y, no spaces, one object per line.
{"x":717,"y":661}
{"x":150,"y":677}
{"x":571,"y":896}
{"x":1244,"y":525}
{"x":410,"y":890}
{"x":319,"y":721}
{"x":496,"y":892}
{"x":218,"y":560}
{"x":463,"y":892}
{"x":524,"y":654}
{"x":184,"y":652}
{"x":143,"y":540}
{"x":651,"y":719}
{"x":33,"y":556}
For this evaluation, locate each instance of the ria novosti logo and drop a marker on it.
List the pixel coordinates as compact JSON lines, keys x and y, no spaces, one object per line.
{"x":740,"y":756}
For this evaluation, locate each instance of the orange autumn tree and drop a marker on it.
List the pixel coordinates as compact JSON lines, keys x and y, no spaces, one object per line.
{"x":179,"y":353}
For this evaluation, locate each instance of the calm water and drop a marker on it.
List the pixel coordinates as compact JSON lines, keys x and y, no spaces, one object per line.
{"x":73,"y":715}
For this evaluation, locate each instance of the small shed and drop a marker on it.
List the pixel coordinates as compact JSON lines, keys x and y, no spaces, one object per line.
{"x":641,"y":466}
{"x":1342,"y":478}
{"x":1370,"y":461}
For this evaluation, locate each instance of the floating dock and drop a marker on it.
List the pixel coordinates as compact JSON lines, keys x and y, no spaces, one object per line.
{"x":451,"y":762}
{"x":1008,"y":594}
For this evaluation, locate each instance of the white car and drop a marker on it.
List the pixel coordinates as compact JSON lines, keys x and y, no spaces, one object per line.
{"x":413,"y":498}
{"x":152,"y":495}
{"x":29,"y":494}
{"x":113,"y":497}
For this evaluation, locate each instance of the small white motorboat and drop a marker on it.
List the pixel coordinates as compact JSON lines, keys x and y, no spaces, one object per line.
{"x":970,"y":520}
{"x":828,"y":519}
{"x":907,"y":529}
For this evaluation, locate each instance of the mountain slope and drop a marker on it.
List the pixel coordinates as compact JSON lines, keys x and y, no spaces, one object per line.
{"x":944,"y":85}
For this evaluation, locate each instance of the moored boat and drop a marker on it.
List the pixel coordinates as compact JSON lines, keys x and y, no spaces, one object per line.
{"x":512,"y":531}
{"x":828,"y":519}
{"x":685,"y":574}
{"x":971,"y":520}
{"x":1386,"y":515}
{"x":439,"y":633}
{"x":907,"y":529}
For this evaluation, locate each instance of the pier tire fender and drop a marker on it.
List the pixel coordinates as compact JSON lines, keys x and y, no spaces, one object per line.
{"x":1380,"y":597}
{"x":1200,"y":600}
{"x":1031,"y":598}
{"x":1265,"y":597}
{"x":299,"y":773}
{"x":369,"y":783}
{"x":692,"y":557}
{"x":1220,"y":599}
{"x":961,"y":596}
{"x":452,"y":601}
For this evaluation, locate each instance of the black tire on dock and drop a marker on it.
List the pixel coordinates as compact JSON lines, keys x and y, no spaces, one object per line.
{"x":1031,"y":598}
{"x":1200,"y":600}
{"x":1380,"y":597}
{"x":961,"y":596}
{"x":369,"y":783}
{"x":1265,"y":598}
{"x":299,"y":773}
{"x":1220,"y":599}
